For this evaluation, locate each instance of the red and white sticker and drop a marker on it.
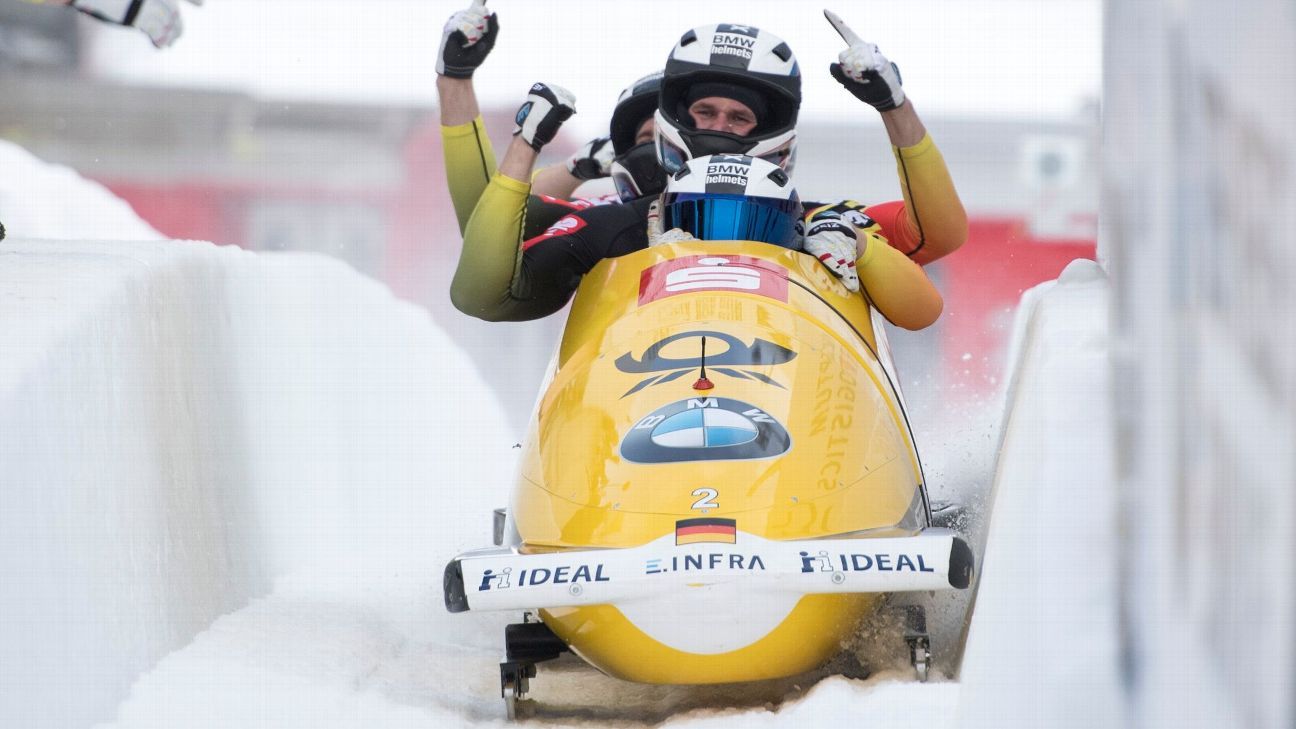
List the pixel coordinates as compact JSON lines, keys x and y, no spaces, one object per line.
{"x":564,"y":226}
{"x":713,"y":273}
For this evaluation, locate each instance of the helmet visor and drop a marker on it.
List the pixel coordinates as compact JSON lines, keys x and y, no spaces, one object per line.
{"x":670,"y":156}
{"x":709,"y":216}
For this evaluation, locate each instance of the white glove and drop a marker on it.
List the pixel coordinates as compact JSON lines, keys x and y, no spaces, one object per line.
{"x":656,"y":236}
{"x":593,"y":161}
{"x":545,"y":110}
{"x":864,"y":71}
{"x":466,"y":40}
{"x":833,"y":242}
{"x":674,"y":235}
{"x":158,"y":19}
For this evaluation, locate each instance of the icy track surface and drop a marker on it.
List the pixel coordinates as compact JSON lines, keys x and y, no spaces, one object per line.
{"x":233,"y":481}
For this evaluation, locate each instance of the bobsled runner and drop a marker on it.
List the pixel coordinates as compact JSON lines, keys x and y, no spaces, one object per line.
{"x":719,"y":480}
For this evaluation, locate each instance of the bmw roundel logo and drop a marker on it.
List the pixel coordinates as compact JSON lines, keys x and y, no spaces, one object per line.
{"x":705,"y":429}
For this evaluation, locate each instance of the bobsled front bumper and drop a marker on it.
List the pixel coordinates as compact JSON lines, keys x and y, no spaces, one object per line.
{"x":504,"y":579}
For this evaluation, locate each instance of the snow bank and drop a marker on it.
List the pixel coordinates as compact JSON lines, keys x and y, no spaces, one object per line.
{"x":1042,"y":648}
{"x":181,"y":423}
{"x":41,"y":200}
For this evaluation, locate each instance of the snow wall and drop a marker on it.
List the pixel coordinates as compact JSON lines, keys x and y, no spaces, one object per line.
{"x":182,"y":423}
{"x":1042,"y":647}
{"x":1198,"y":213}
{"x":43,"y":200}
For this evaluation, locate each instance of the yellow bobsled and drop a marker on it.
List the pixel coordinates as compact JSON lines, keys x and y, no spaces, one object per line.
{"x":719,"y":479}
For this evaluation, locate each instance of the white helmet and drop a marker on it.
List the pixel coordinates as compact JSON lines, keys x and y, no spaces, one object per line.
{"x":739,"y":61}
{"x":732,"y":197}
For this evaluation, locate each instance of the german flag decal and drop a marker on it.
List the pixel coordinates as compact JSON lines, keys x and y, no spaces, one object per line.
{"x":693,"y":531}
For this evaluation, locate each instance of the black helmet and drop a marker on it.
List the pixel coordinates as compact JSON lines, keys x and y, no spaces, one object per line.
{"x":764,"y":74}
{"x":637,"y":102}
{"x":635,"y":170}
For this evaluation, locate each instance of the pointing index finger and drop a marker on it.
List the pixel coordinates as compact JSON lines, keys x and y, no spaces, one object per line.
{"x":479,"y":4}
{"x":842,"y":29}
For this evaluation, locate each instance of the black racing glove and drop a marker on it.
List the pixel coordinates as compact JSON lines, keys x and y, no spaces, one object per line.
{"x":864,"y":71}
{"x":867,"y":74}
{"x":593,"y":161}
{"x":544,"y":112}
{"x":468,"y":37}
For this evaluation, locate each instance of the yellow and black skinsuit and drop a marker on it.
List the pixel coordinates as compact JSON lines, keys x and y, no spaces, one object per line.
{"x":523,"y":256}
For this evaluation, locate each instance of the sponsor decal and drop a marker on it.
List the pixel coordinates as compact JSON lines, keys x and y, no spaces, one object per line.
{"x":563,"y":226}
{"x":728,"y":174}
{"x":732,"y":45}
{"x":704,"y":562}
{"x":687,"y":274}
{"x":705,"y":429}
{"x":506,"y":578}
{"x":860,"y":562}
{"x":693,"y":531}
{"x":729,"y":362}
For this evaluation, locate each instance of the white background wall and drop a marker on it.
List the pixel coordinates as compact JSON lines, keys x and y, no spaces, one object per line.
{"x":1198,"y":214}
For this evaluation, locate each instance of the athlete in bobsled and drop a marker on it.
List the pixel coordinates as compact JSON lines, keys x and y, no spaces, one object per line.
{"x":720,"y":480}
{"x":709,"y":101}
{"x":625,"y":153}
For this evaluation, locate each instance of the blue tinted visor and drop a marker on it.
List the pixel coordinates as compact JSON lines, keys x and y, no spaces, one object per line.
{"x":710,"y":216}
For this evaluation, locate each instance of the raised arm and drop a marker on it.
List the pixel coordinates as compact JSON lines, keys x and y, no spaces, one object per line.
{"x":486,"y":282}
{"x":466,"y":41}
{"x":931,"y":222}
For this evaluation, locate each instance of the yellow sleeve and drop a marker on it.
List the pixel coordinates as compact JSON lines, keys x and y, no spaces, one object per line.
{"x":934,"y":217}
{"x":896,"y":285}
{"x":469,"y":164}
{"x":492,"y":251}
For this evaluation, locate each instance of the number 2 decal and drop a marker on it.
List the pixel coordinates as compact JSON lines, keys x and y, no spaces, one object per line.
{"x":707,"y":500}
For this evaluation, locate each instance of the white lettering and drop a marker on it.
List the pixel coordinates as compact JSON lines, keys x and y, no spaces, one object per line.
{"x":720,"y":169}
{"x":741,"y":181}
{"x":713,"y":277}
{"x":724,"y":39}
{"x":730,"y":51}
